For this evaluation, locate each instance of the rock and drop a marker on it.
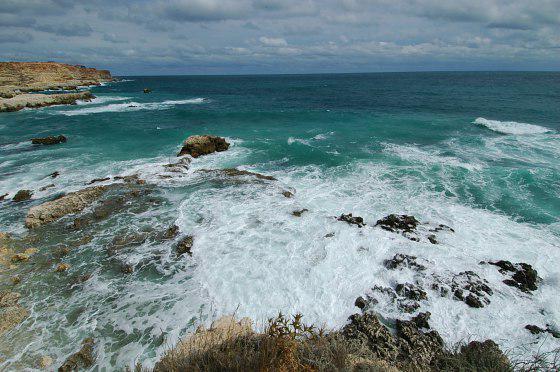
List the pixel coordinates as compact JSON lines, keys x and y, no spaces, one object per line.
{"x":537,"y":330}
{"x":365,"y":329}
{"x":396,"y":223}
{"x":203,"y":145}
{"x":484,"y":356}
{"x":171,"y":232}
{"x":330,"y":235}
{"x":300,"y":212}
{"x":45,"y":361}
{"x":287,"y":194}
{"x":21,"y":101}
{"x":68,"y":204}
{"x":11,"y":313}
{"x":147,"y":90}
{"x":54,"y":174}
{"x":421,"y":320}
{"x":361,"y":303}
{"x":420,"y":348}
{"x":50,"y":140}
{"x":466,"y":286}
{"x":47,"y":187}
{"x":411,"y":291}
{"x":179,"y":167}
{"x":82,"y":359}
{"x":359,"y":221}
{"x":432,"y":239}
{"x":126,"y":240}
{"x":2,"y":197}
{"x":127,"y":269}
{"x":404,"y":261}
{"x":523,"y":276}
{"x":95,"y":180}
{"x":234,"y":172}
{"x":22,"y":195}
{"x":185,"y":245}
{"x":61,"y":267}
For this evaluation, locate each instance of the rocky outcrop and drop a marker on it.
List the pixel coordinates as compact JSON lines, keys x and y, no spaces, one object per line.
{"x":50,"y":140}
{"x":82,"y":359}
{"x":411,"y":228}
{"x":522,"y":275}
{"x":22,"y":195}
{"x":538,"y":330}
{"x":234,"y":172}
{"x":71,"y":203}
{"x":11,"y":313}
{"x":351,"y":220}
{"x":36,"y":76}
{"x":199,"y":145}
{"x":185,"y":245}
{"x":22,"y":101}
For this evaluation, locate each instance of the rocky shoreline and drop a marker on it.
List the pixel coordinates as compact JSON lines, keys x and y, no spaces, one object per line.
{"x":367,"y":342}
{"x":18,"y":79}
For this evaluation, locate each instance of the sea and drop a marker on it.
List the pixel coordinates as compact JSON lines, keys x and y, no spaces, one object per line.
{"x":476,"y":151}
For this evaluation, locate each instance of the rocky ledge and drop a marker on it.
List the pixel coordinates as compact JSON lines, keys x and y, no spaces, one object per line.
{"x":29,"y":100}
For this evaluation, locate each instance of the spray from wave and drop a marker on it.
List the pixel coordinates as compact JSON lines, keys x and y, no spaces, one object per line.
{"x":130,"y":106}
{"x":511,"y":127}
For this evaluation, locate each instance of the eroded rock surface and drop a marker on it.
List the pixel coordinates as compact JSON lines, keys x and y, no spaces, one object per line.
{"x":11,"y":313}
{"x":199,"y":145}
{"x":522,"y":275}
{"x":82,"y":359}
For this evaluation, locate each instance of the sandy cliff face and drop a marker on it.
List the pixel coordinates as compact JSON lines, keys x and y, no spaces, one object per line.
{"x":34,"y":76}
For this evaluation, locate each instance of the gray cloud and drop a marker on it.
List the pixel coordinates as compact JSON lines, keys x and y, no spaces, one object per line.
{"x":67,"y":29}
{"x":18,"y":38}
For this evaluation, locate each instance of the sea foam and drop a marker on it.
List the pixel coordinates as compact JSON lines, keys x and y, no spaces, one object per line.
{"x":129,"y":106}
{"x":511,"y":127}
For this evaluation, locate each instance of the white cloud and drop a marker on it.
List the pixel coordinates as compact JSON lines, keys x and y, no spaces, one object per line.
{"x":273,"y":41}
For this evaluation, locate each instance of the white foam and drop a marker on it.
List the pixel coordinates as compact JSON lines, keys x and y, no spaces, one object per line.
{"x":511,"y":127}
{"x":292,"y":140}
{"x":128,"y":106}
{"x":102,"y":99}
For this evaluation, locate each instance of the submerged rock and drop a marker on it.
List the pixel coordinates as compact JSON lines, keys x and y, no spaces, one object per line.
{"x":185,"y":245}
{"x":11,"y":313}
{"x":54,"y":174}
{"x":22,"y":195}
{"x":359,"y":221}
{"x":51,"y":185}
{"x":537,"y":330}
{"x":68,"y":204}
{"x":396,"y":223}
{"x":286,"y":193}
{"x":404,"y":261}
{"x":82,"y":359}
{"x":198,"y":145}
{"x":300,"y":212}
{"x":2,"y":197}
{"x":95,"y":180}
{"x":523,"y":276}
{"x":234,"y":172}
{"x":50,"y":140}
{"x":466,"y":286}
{"x":147,"y":90}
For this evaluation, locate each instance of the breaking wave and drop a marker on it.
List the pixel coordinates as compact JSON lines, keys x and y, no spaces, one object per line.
{"x":130,"y":106}
{"x":511,"y":127}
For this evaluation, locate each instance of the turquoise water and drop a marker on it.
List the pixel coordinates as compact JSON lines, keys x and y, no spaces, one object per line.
{"x":476,"y":151}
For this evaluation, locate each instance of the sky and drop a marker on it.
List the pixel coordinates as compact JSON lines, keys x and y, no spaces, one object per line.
{"x":283,"y":36}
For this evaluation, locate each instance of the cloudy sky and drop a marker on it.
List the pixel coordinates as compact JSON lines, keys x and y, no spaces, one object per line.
{"x":284,"y":36}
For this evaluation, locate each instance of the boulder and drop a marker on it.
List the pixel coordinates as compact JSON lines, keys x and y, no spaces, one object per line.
{"x":185,"y":245}
{"x":81,"y":359}
{"x":71,"y":203}
{"x":22,"y":195}
{"x":50,"y":140}
{"x":203,"y":145}
{"x":348,"y":218}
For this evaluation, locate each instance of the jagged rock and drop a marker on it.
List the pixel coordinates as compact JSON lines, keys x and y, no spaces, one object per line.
{"x":523,"y":275}
{"x":329,"y":235}
{"x":286,"y":194}
{"x":50,"y":140}
{"x":299,"y":212}
{"x":127,"y":269}
{"x":396,"y":223}
{"x":95,"y":180}
{"x":359,"y":221}
{"x":366,"y":329}
{"x":466,"y":286}
{"x":2,"y":197}
{"x":82,"y":359}
{"x":411,"y":291}
{"x":185,"y":245}
{"x":484,"y":356}
{"x":11,"y":313}
{"x":404,"y":261}
{"x":432,"y":239}
{"x":54,"y":174}
{"x":203,"y":145}
{"x":46,"y":187}
{"x":67,"y":204}
{"x":442,"y":227}
{"x":171,"y":232}
{"x":22,"y":195}
{"x":147,"y":90}
{"x":420,"y":348}
{"x":537,"y":330}
{"x":234,"y":172}
{"x":421,"y":320}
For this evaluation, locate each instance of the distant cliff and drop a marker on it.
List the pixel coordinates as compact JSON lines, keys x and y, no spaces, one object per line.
{"x":18,"y":77}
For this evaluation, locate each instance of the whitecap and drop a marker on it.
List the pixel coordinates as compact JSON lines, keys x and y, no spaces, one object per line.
{"x":511,"y":127}
{"x":129,"y":106}
{"x":292,"y":140}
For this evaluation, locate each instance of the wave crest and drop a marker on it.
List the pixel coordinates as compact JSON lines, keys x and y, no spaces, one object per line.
{"x":511,"y":127}
{"x":130,"y":106}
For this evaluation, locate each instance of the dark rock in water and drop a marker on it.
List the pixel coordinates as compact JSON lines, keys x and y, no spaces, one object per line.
{"x":402,"y":260}
{"x":523,"y":276}
{"x":361,"y":303}
{"x":22,"y":195}
{"x":51,"y":185}
{"x":359,"y":221}
{"x":287,"y":194}
{"x":421,"y":348}
{"x":466,"y":286}
{"x":395,"y":223}
{"x":329,"y":235}
{"x":432,"y":239}
{"x":481,"y":356}
{"x":411,"y":291}
{"x":537,"y":330}
{"x":234,"y":172}
{"x":147,"y":90}
{"x":185,"y":245}
{"x":50,"y":140}
{"x":126,"y":240}
{"x":82,"y":359}
{"x":196,"y":146}
{"x":171,"y":232}
{"x":300,"y":212}
{"x":442,"y":227}
{"x":95,"y":180}
{"x":127,"y":269}
{"x":54,"y":174}
{"x":421,"y":320}
{"x":2,"y":197}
